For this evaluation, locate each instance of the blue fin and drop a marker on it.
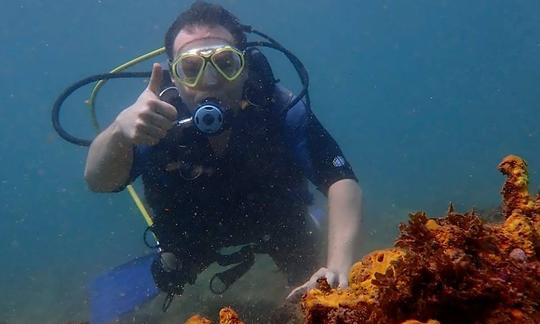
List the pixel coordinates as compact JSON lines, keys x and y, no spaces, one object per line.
{"x":122,"y":289}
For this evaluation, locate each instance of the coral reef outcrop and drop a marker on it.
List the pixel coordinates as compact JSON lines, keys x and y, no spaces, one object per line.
{"x":451,"y":269}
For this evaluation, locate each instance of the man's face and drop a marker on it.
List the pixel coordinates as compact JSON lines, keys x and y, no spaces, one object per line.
{"x":212,"y":83}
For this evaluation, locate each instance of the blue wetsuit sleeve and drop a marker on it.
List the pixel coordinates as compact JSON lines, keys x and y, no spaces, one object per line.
{"x":140,"y":163}
{"x":314,"y":150}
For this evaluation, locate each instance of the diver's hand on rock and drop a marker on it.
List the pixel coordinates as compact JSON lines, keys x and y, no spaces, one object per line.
{"x":149,"y":118}
{"x":334,"y":279}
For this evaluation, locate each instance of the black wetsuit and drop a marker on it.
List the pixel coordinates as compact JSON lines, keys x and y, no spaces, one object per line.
{"x":256,"y":192}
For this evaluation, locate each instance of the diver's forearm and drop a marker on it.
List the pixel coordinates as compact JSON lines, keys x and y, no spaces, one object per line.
{"x":109,"y":161}
{"x":344,"y":203}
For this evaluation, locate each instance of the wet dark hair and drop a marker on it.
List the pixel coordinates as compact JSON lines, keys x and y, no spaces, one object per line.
{"x":202,"y":13}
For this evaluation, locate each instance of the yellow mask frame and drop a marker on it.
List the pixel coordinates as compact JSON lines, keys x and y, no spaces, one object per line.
{"x":206,"y":55}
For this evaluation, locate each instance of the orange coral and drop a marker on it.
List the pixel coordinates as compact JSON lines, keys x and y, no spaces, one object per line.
{"x":226,"y":316}
{"x":198,"y":319}
{"x":522,"y":226}
{"x":453,"y":269}
{"x":515,"y":190}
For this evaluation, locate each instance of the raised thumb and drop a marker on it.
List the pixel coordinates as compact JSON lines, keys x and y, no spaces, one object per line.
{"x":155,"y":79}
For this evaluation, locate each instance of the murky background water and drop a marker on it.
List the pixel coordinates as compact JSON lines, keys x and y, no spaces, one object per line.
{"x":424,"y":97}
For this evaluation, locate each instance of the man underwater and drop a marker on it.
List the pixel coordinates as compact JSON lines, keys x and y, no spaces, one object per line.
{"x":224,"y":162}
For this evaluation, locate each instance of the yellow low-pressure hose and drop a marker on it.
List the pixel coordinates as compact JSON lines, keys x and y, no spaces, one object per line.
{"x":91,"y":102}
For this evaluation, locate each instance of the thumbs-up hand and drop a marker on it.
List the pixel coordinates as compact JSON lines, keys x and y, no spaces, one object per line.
{"x":148,"y":119}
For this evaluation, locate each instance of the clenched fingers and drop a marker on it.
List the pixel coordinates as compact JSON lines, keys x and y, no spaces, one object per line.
{"x":156,"y":120}
{"x":164,"y":109}
{"x":144,"y":139}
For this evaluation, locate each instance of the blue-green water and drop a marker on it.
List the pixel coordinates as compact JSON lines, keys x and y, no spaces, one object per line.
{"x":424,"y":97}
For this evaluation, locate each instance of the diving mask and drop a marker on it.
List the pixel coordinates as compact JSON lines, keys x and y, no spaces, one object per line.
{"x":188,"y":67}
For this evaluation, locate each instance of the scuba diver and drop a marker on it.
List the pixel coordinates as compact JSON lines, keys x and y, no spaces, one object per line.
{"x":225,"y":154}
